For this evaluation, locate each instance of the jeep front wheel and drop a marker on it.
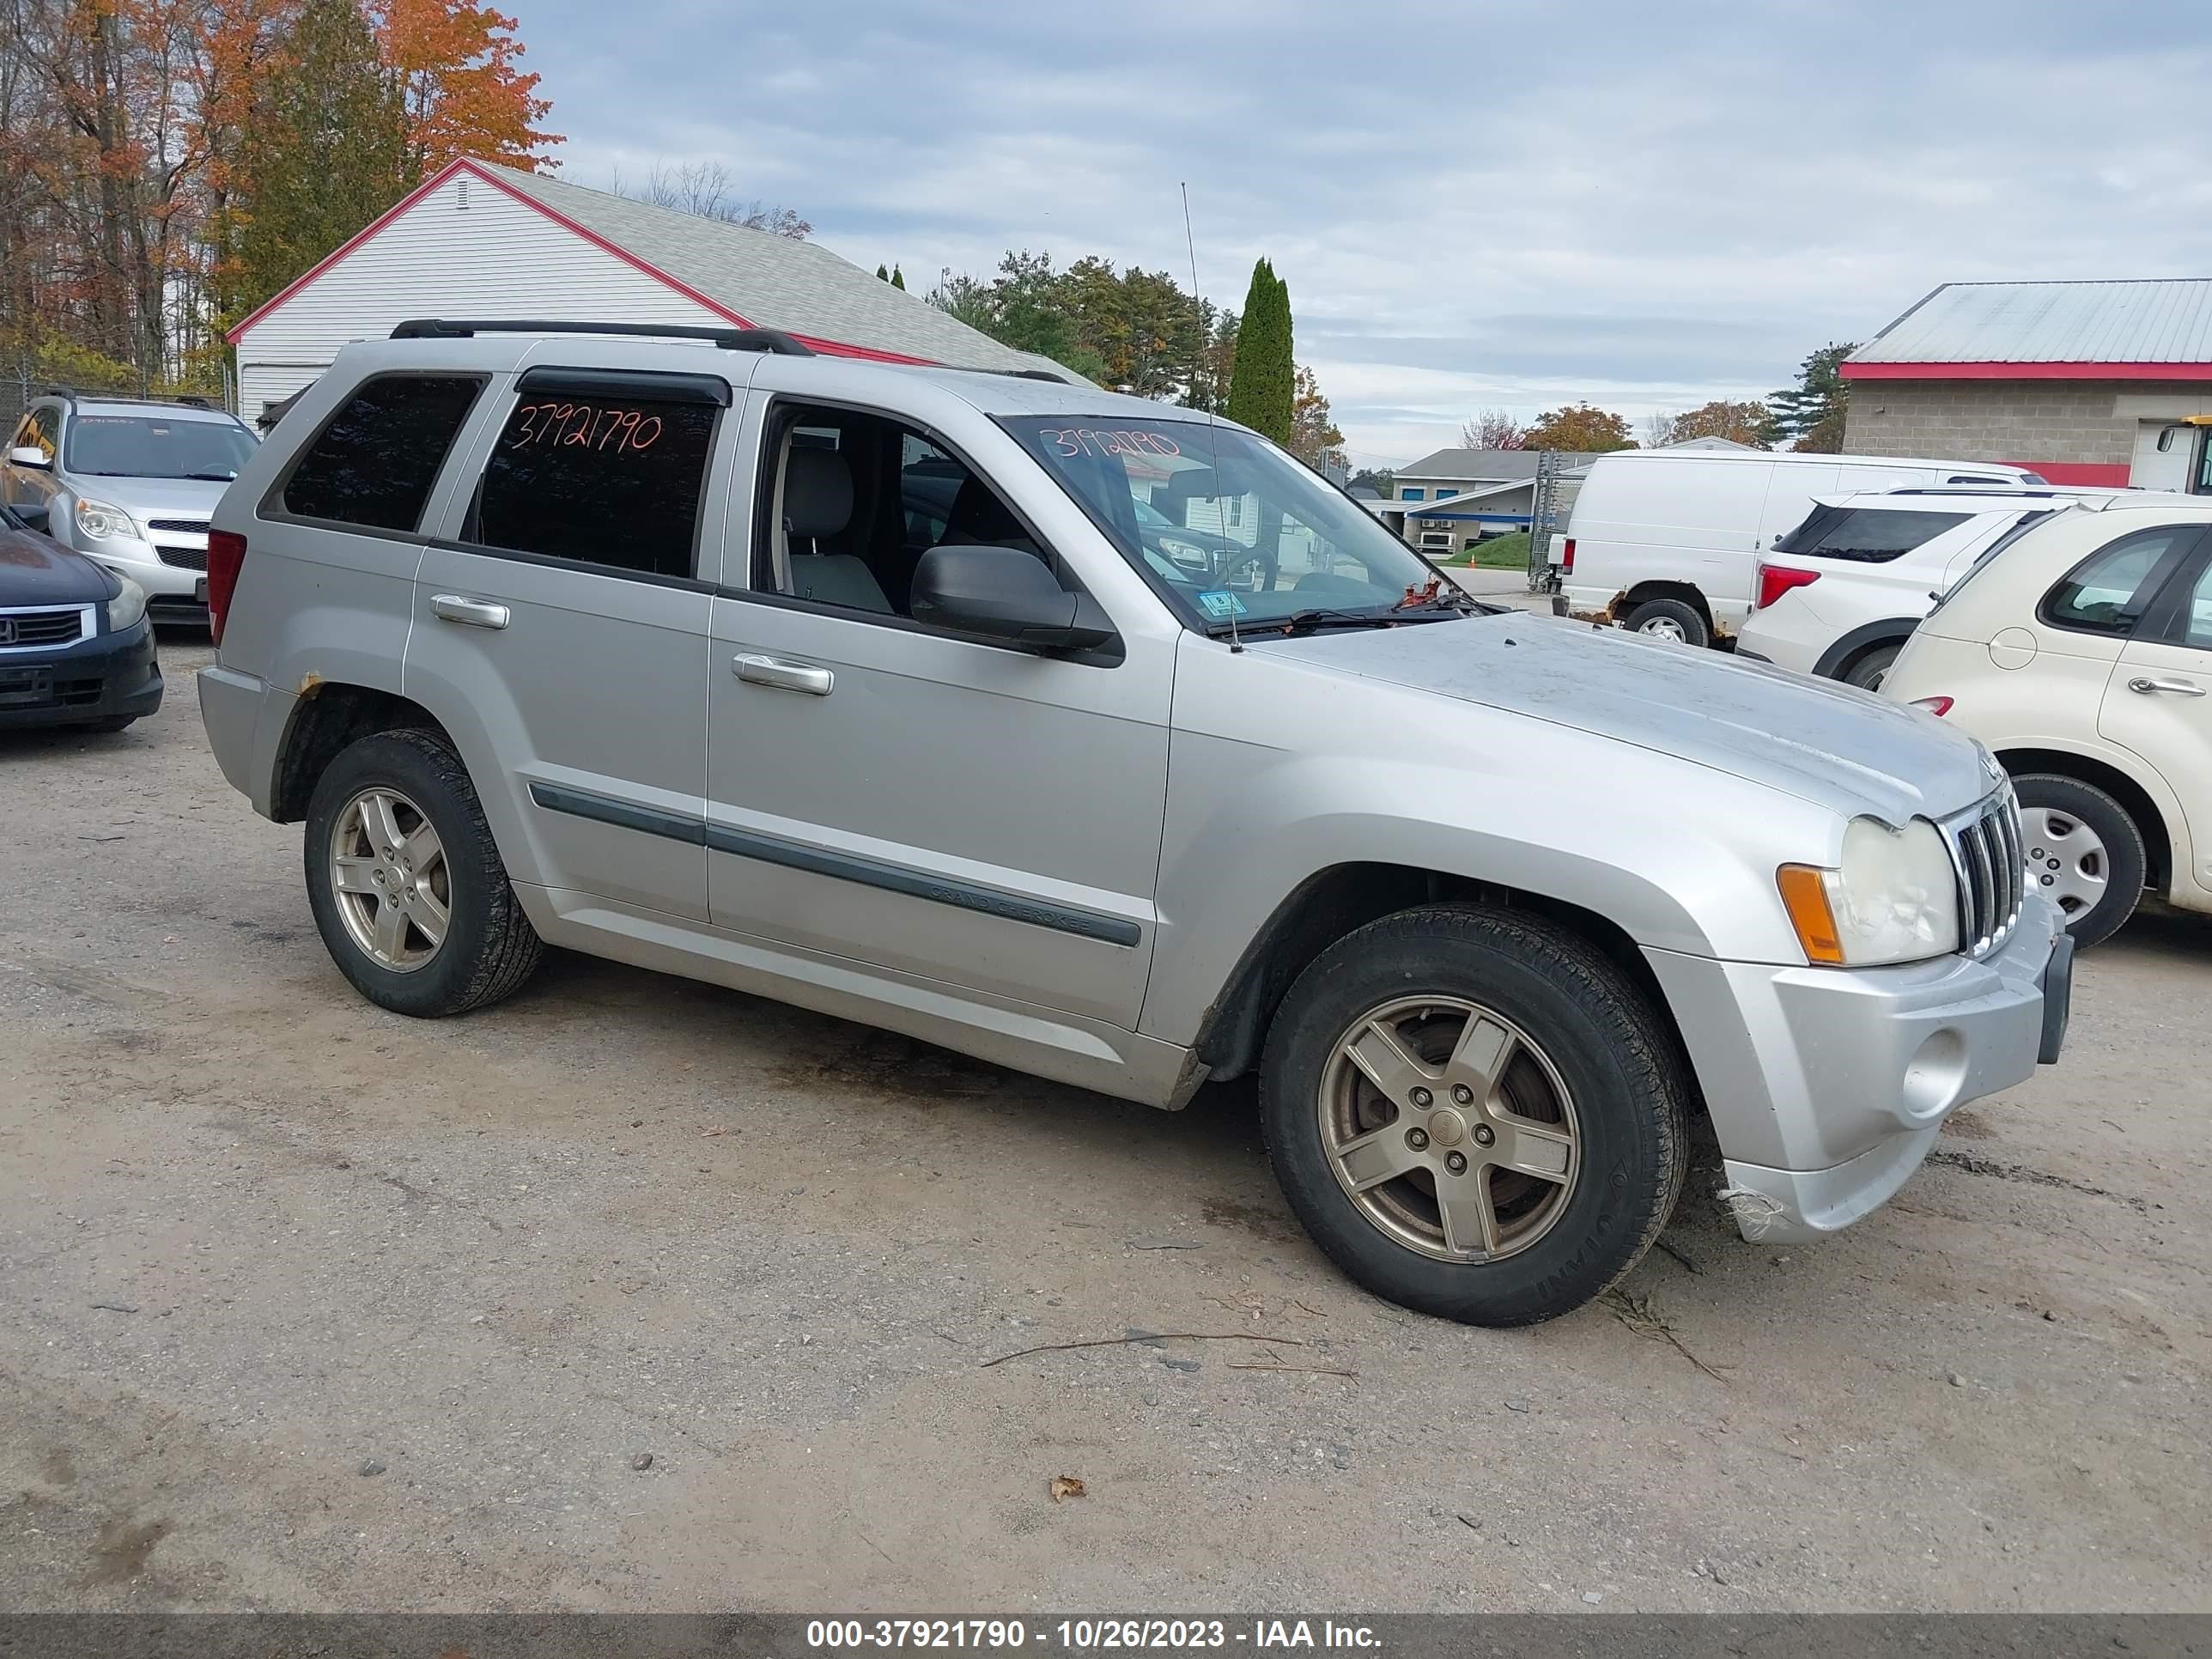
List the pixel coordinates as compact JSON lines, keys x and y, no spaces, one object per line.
{"x":1474,"y":1113}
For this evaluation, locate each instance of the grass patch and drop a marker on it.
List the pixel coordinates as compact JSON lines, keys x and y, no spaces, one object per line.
{"x":1499,"y":553}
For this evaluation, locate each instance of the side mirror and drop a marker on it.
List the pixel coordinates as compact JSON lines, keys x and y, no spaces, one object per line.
{"x":29,"y":455}
{"x":35,"y":515}
{"x":1004,"y":594}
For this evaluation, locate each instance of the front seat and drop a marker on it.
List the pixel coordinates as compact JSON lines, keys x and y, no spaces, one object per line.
{"x":818,"y":502}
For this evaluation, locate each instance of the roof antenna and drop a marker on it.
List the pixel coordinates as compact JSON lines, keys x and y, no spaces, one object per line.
{"x":1198,"y":355}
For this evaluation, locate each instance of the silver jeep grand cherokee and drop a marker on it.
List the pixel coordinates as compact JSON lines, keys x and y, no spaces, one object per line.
{"x":1104,"y":740}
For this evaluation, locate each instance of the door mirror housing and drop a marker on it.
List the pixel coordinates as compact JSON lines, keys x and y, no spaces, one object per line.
{"x":35,"y":515}
{"x":29,"y":455}
{"x":1005,"y":595}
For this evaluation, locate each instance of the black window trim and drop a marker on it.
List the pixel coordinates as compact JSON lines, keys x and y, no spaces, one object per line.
{"x":270,"y":508}
{"x":2160,"y":581}
{"x":663,"y":385}
{"x":634,"y":383}
{"x":778,"y":419}
{"x":2164,"y":620}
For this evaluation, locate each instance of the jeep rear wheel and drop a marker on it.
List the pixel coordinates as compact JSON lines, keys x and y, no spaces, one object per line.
{"x":408,"y":890}
{"x":1474,"y":1113}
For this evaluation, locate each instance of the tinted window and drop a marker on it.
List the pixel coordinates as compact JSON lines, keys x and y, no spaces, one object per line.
{"x":602,"y":478}
{"x":374,"y":463}
{"x":2107,"y":592}
{"x":1869,"y":534}
{"x":156,"y":447}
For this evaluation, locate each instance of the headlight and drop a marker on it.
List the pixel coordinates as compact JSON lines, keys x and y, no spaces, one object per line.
{"x":126,"y":607}
{"x":1895,"y":899}
{"x":1182,"y":551}
{"x":99,"y":522}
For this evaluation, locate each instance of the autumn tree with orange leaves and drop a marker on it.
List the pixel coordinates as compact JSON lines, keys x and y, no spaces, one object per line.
{"x":144,"y":144}
{"x":460,"y":85}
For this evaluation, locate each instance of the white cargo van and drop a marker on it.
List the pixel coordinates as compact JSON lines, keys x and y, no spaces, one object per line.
{"x":1669,"y":543}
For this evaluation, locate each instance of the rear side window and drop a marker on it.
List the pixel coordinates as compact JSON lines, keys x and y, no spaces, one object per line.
{"x":600,"y":475}
{"x":374,"y":463}
{"x":2109,"y":591}
{"x":1871,"y":535}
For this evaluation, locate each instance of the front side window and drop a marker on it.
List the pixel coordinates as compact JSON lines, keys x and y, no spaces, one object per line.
{"x":374,"y":463}
{"x":1227,"y":525}
{"x":1870,"y":535}
{"x":2108,"y":591}
{"x":36,"y":436}
{"x":155,"y":447}
{"x":601,"y":476}
{"x":2196,"y":622}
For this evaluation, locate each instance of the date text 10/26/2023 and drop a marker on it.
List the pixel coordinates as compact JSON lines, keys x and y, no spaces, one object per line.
{"x":1088,"y":1635}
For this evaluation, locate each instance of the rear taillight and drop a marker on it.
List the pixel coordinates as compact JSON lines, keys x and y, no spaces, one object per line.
{"x":1938,"y":707}
{"x":226,"y":556}
{"x":1776,"y":580}
{"x":1567,"y":557}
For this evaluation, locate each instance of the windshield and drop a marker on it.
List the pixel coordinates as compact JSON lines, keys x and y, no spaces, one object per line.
{"x":151,"y":446}
{"x":1228,"y":525}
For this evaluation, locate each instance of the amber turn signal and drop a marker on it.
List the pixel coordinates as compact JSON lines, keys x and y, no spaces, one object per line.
{"x":1805,"y":897}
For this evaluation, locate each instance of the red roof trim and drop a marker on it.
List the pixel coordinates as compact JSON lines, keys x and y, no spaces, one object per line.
{"x":2026,"y":371}
{"x":2101,"y":474}
{"x":833,"y":348}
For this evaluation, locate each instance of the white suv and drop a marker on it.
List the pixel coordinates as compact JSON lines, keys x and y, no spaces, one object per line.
{"x":2082,"y":655}
{"x":1841,"y":594}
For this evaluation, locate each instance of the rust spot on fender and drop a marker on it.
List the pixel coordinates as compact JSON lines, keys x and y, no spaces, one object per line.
{"x":310,"y":683}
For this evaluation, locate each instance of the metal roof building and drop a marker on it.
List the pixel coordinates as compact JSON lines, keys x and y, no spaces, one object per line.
{"x":2081,"y":381}
{"x":476,"y":240}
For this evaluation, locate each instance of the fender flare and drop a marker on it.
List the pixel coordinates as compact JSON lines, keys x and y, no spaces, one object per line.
{"x":1891,"y":631}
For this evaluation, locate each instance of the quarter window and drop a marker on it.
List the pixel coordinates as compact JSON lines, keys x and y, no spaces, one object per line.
{"x":1868,"y":535}
{"x":598,"y":476}
{"x":374,"y":463}
{"x":2108,"y":591}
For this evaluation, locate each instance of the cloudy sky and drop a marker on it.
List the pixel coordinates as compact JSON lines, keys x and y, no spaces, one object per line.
{"x":1475,"y":204}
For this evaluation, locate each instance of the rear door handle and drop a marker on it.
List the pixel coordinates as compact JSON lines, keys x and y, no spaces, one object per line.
{"x":783,"y":676}
{"x":470,"y":613}
{"x":2179,"y":687}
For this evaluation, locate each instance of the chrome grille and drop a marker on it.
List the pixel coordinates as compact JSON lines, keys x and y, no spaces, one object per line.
{"x":21,"y":629}
{"x":1992,"y":869}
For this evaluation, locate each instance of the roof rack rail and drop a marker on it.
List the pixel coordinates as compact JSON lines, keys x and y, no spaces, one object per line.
{"x":771,"y":340}
{"x":187,"y":399}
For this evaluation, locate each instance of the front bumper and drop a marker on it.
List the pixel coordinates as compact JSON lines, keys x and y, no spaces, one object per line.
{"x":1827,"y":1086}
{"x":109,"y":676}
{"x":172,"y":571}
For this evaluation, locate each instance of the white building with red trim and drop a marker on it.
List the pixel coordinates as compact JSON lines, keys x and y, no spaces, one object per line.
{"x":2089,"y":383}
{"x":477,"y":240}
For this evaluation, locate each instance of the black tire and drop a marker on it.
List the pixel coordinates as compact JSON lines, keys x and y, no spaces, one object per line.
{"x":1871,"y":669}
{"x":2127,"y":862}
{"x":1654,"y":615}
{"x":1603,"y":1040}
{"x":489,"y":948}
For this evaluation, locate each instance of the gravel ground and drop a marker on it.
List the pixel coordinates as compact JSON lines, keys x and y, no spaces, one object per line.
{"x":303,"y":1305}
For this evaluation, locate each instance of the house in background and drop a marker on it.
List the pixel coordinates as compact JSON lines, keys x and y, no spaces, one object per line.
{"x":1450,"y":500}
{"x":475,"y":240}
{"x":2083,"y":381}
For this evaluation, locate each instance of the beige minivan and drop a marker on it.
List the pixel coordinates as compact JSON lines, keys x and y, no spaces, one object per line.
{"x":2081,"y":654}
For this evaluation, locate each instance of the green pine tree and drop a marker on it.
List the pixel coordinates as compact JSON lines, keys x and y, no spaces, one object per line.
{"x":1818,"y":397}
{"x":898,"y":279}
{"x":882,"y":276}
{"x":1262,"y":388}
{"x":324,"y":152}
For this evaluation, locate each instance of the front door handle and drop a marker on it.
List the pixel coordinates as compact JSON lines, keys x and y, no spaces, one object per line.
{"x":783,"y":676}
{"x":2179,"y":687}
{"x":470,"y":613}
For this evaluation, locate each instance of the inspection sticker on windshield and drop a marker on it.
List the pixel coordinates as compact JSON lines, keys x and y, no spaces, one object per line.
{"x":1218,"y":604}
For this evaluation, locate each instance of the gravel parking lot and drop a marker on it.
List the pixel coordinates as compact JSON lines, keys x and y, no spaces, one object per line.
{"x":634,"y":1292}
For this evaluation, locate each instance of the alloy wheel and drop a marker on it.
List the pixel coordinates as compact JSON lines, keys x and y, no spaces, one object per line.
{"x":390,"y":879}
{"x":1450,"y":1128}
